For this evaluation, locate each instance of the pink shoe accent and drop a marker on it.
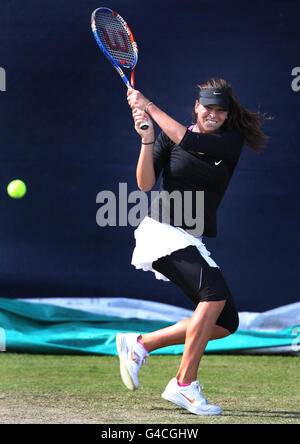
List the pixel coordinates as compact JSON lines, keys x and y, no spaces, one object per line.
{"x":140,"y":342}
{"x":182,"y":385}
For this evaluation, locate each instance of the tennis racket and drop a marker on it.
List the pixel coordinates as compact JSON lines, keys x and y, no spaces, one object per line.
{"x":117,"y":43}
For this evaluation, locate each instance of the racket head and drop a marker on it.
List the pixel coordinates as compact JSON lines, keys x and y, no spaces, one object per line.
{"x":114,"y":37}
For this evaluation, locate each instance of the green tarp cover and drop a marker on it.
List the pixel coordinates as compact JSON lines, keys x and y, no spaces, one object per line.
{"x":42,"y":328}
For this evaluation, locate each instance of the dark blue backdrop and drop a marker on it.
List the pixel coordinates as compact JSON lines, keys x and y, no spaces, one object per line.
{"x":66,"y":130}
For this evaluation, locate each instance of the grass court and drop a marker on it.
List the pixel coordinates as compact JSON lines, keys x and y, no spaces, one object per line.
{"x":68,"y":389}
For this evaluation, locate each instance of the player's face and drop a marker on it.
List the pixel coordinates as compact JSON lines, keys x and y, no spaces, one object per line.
{"x":210,"y":117}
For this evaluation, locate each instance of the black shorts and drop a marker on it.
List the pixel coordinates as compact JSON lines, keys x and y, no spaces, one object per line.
{"x":200,"y":282}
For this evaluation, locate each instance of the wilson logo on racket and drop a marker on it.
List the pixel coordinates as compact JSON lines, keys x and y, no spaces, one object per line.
{"x":114,"y":42}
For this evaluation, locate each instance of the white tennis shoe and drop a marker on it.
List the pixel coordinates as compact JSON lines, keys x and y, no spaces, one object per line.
{"x":132,"y":355}
{"x":190,"y":398}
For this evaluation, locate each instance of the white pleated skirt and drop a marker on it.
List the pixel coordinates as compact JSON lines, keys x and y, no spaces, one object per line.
{"x":155,"y":240}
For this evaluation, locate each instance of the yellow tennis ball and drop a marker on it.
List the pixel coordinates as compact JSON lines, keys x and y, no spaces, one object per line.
{"x":16,"y":189}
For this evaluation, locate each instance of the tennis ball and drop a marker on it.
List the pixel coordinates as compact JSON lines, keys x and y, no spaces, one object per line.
{"x":16,"y":189}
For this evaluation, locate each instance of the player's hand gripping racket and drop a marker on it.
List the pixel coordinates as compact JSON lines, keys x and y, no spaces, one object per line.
{"x":117,"y":43}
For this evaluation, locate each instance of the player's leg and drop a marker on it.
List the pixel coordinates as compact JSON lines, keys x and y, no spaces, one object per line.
{"x":198,"y":334}
{"x":133,"y":348}
{"x":183,"y":267}
{"x":184,"y":390}
{"x":175,"y":335}
{"x":206,"y":286}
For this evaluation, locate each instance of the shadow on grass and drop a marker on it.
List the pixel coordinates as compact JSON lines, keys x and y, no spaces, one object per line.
{"x":241,"y":413}
{"x":263,"y":413}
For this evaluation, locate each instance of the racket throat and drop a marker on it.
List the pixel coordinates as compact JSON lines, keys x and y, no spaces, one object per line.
{"x":132,"y":79}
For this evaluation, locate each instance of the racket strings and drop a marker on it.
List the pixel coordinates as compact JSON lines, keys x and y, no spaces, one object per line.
{"x":115,"y":38}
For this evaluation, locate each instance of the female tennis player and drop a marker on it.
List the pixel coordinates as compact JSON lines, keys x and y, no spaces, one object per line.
{"x":199,"y":158}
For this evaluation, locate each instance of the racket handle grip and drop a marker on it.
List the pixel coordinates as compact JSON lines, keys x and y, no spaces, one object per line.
{"x":144,"y":125}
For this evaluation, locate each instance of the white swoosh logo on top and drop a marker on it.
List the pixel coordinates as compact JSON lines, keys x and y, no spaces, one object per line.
{"x":217,"y":163}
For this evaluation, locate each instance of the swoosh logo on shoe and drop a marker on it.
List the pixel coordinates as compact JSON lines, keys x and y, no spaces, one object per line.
{"x":190,"y":400}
